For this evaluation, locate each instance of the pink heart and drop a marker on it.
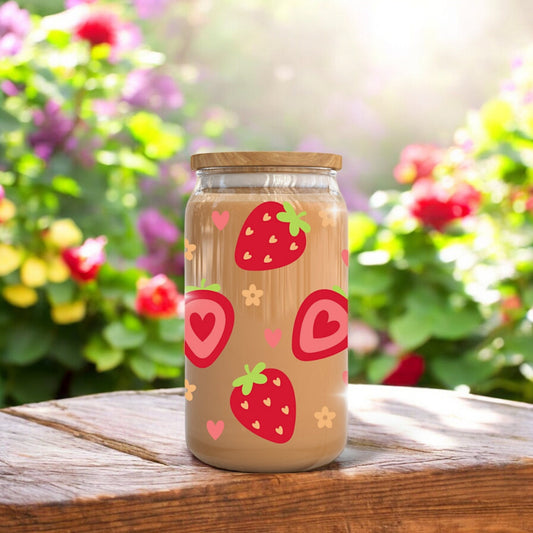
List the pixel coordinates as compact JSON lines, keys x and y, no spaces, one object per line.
{"x":215,"y":429}
{"x":345,"y":255}
{"x":345,"y":377}
{"x":220,"y":219}
{"x":273,"y":337}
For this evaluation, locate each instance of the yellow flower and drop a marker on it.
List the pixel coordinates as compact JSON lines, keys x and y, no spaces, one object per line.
{"x":328,"y":219}
{"x":189,"y":249}
{"x":33,"y":272}
{"x":10,"y":258}
{"x":252,"y":295}
{"x":7,"y":210}
{"x":190,"y":388}
{"x":57,"y":271}
{"x":20,"y":295}
{"x":325,"y":418}
{"x":64,"y":233}
{"x":69,"y":312}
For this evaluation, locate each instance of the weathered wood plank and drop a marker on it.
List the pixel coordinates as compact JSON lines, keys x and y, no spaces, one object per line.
{"x":417,"y":460}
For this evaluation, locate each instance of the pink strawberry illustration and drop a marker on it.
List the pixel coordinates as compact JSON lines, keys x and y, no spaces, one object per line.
{"x":263,"y":402}
{"x":321,"y":326}
{"x":271,"y":237}
{"x":209,"y":319}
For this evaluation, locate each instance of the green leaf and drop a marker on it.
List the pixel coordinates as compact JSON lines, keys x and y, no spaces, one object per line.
{"x":496,"y":117}
{"x":380,"y":367}
{"x":170,"y":354}
{"x":369,"y":280}
{"x":118,"y":335}
{"x":411,"y":329}
{"x":36,"y":383}
{"x":67,"y":350}
{"x":172,"y":329}
{"x":58,"y":38}
{"x":105,"y":357}
{"x":167,"y":372}
{"x":457,"y":323}
{"x":338,"y":289}
{"x":66,"y":185}
{"x":60,"y":293}
{"x":142,"y":367}
{"x":360,"y":228}
{"x":469,"y":369}
{"x":293,"y":219}
{"x":26,"y":343}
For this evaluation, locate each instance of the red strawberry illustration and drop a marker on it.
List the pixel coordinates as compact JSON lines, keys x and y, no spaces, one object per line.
{"x":271,"y":237}
{"x":209,"y":319}
{"x":321,"y":326}
{"x":263,"y":402}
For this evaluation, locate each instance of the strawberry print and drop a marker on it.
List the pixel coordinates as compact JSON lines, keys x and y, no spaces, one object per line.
{"x":271,"y":237}
{"x":263,"y":402}
{"x":321,"y":326}
{"x":209,"y":319}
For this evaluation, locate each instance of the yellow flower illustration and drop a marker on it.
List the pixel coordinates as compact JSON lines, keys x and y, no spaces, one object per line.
{"x":20,"y":295}
{"x":190,"y":388}
{"x":327,"y":218}
{"x":189,"y":249}
{"x":252,"y":295}
{"x":325,"y":418}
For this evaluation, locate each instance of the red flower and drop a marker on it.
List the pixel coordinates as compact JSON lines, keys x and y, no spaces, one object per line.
{"x":437,"y":203}
{"x":99,"y":27}
{"x":408,"y":371}
{"x":417,"y":161}
{"x":157,"y":297}
{"x":85,"y":261}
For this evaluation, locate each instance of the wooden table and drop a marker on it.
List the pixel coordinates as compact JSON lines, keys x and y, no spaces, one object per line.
{"x":417,"y":460}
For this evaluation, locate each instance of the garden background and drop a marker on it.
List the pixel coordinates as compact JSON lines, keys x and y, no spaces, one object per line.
{"x":102,"y":104}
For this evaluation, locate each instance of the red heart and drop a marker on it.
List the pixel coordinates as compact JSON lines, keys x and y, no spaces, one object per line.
{"x":202,"y":327}
{"x":322,"y":327}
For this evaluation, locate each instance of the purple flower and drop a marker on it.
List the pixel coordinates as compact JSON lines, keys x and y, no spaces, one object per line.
{"x":156,"y":231}
{"x":53,"y":132}
{"x":150,"y":90}
{"x":14,"y":26}
{"x":149,"y":8}
{"x":162,"y":262}
{"x":9,"y":88}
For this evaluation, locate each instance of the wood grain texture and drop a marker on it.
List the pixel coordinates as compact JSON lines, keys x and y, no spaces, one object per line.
{"x":417,"y":460}
{"x":266,"y":159}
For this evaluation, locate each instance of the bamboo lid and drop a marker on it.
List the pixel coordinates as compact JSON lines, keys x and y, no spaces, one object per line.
{"x":266,"y":159}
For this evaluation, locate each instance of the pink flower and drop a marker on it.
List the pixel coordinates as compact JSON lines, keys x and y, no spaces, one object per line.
{"x":2,"y":193}
{"x":417,"y":161}
{"x":14,"y":26}
{"x":85,"y":261}
{"x":407,"y":372}
{"x":157,"y":297}
{"x":437,"y":203}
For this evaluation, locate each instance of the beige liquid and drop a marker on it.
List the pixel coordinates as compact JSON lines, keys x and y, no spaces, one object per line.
{"x":317,"y":384}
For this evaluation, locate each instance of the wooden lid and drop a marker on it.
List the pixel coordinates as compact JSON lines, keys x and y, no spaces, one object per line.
{"x":266,"y":159}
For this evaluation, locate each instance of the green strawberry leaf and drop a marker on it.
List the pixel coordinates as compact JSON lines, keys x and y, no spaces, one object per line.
{"x":213,"y":287}
{"x":250,"y":378}
{"x":338,"y":289}
{"x":293,"y":219}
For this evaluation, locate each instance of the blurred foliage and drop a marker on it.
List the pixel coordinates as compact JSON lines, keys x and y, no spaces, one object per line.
{"x":95,"y":139}
{"x":83,"y":146}
{"x":456,"y":290}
